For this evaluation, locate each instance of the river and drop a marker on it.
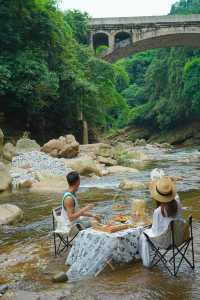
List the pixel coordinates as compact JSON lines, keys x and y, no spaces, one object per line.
{"x":26,"y":251}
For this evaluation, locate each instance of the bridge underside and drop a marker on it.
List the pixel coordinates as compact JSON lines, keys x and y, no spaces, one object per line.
{"x":166,"y":41}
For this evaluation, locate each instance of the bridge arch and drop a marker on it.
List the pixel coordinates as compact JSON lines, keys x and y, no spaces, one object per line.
{"x":122,"y":38}
{"x":100,"y":38}
{"x":151,"y":39}
{"x":147,"y":33}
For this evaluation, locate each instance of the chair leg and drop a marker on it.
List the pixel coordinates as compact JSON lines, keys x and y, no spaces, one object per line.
{"x":183,"y":257}
{"x":69,"y":242}
{"x":174,"y":262}
{"x":54,"y":239}
{"x":192,"y":244}
{"x":192,"y":240}
{"x":110,"y":265}
{"x":162,"y":256}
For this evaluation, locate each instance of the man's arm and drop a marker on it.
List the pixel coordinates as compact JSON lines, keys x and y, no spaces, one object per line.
{"x":69,"y":206}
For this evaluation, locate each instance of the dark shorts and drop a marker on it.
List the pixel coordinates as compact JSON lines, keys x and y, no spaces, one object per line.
{"x":85,"y":223}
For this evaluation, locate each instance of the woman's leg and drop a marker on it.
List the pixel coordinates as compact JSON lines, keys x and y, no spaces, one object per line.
{"x":144,"y":251}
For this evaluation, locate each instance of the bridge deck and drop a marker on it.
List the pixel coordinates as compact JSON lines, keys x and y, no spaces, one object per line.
{"x":98,"y":22}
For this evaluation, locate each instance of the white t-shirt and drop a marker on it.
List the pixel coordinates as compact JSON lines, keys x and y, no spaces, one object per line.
{"x":160,"y":223}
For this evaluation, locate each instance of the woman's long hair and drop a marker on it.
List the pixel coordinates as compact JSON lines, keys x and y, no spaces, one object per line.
{"x":168,"y":209}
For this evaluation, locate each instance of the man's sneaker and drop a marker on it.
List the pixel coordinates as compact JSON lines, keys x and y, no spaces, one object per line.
{"x":60,"y":277}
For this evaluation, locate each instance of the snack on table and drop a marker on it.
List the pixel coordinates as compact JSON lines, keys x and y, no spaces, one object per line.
{"x":139,"y":207}
{"x":120,"y":218}
{"x":110,"y":228}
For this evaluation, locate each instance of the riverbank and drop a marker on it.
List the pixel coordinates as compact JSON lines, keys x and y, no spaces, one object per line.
{"x":27,"y":260}
{"x":185,"y":135}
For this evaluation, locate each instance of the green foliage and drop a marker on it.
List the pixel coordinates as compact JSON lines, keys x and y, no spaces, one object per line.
{"x":192,"y":84}
{"x":122,"y":77}
{"x":164,"y":84}
{"x":134,"y":95}
{"x":49,"y":75}
{"x":185,"y":7}
{"x":101,"y":49}
{"x":79,"y":24}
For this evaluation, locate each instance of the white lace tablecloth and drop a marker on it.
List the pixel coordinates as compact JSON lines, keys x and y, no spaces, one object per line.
{"x":92,"y":249}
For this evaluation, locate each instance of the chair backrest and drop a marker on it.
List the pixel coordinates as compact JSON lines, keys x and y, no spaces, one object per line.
{"x":57,"y":212}
{"x":57,"y":218}
{"x":179,"y":229}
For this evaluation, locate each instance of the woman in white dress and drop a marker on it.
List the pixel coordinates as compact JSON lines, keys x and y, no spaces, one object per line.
{"x":163,"y":191}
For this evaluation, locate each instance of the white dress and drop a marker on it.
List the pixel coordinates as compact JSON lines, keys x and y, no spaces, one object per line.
{"x":159,"y":226}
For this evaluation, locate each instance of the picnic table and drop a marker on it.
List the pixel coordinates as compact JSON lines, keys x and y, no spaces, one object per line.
{"x":92,"y":250}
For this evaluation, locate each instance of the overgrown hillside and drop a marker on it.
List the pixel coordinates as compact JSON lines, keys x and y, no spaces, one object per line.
{"x":49,"y":78}
{"x":164,"y":84}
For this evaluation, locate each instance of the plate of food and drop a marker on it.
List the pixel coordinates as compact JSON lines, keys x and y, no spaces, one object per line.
{"x":110,"y":228}
{"x":120,"y":218}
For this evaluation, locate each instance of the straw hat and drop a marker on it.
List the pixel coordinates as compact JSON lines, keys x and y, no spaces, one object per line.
{"x":163,"y":190}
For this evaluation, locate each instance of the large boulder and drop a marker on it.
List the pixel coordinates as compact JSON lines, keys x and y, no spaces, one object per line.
{"x":107,"y":161}
{"x":10,"y":214}
{"x":105,"y":150}
{"x":84,"y":166}
{"x":137,"y":155}
{"x":163,"y":145}
{"x":131,"y":185}
{"x":5,"y":178}
{"x":26,"y":145}
{"x":140,"y":142}
{"x":66,"y":147}
{"x":8,"y":151}
{"x":121,"y":169}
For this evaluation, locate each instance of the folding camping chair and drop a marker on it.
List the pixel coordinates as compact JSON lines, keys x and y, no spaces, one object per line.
{"x":175,"y":240}
{"x":61,"y":233}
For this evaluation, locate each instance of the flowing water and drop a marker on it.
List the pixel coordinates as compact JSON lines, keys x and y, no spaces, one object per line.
{"x":26,"y":250}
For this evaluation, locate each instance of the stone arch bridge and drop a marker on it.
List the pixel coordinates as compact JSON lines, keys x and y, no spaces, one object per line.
{"x":124,"y":36}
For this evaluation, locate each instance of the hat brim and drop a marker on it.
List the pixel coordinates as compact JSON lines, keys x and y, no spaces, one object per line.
{"x":161,"y":198}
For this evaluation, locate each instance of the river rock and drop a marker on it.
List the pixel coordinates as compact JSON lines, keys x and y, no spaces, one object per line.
{"x":10,"y":214}
{"x":8,"y":151}
{"x":3,"y":289}
{"x":105,"y":150}
{"x":1,"y":138}
{"x":163,"y":145}
{"x":94,"y":150}
{"x":84,"y":166}
{"x":131,"y":185}
{"x":140,"y":142}
{"x":26,"y":184}
{"x":5,"y":178}
{"x":137,"y":155}
{"x":26,"y":145}
{"x":66,"y":147}
{"x":121,"y":169}
{"x":107,"y":161}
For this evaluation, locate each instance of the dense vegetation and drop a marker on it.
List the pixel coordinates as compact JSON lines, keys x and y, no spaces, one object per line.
{"x":48,"y":75}
{"x":49,"y":78}
{"x":164,"y":84}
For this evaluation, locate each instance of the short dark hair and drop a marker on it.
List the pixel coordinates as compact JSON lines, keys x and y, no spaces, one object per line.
{"x":72,"y":177}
